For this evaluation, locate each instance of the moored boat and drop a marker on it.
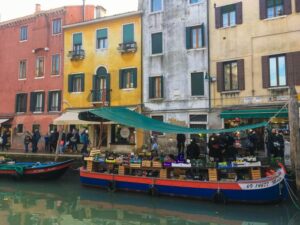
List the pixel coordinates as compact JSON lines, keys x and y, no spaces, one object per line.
{"x":35,"y":170}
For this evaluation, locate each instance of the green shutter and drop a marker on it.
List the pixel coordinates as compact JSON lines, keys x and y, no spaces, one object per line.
{"x":120,"y":79}
{"x":77,"y":39}
{"x":128,"y":33}
{"x":108,"y":87}
{"x":70,"y":83}
{"x":134,"y":74}
{"x":49,"y":100}
{"x":203,"y":35}
{"x":102,"y":33}
{"x":156,"y":43}
{"x":162,"y":86}
{"x":59,"y":100}
{"x":94,"y":82}
{"x":197,"y":82}
{"x":43,"y":101}
{"x":188,"y":37}
{"x":32,"y":101}
{"x":151,"y":87}
{"x":82,"y":81}
{"x":16,"y":103}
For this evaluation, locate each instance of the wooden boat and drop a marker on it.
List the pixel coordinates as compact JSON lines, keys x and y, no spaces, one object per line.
{"x":35,"y":170}
{"x":261,"y":190}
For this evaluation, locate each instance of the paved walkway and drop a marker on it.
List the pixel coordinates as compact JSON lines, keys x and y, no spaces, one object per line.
{"x":18,"y":152}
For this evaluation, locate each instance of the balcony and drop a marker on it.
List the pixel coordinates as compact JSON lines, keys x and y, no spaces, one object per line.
{"x":77,"y":54}
{"x":100,"y":96}
{"x":127,"y":47}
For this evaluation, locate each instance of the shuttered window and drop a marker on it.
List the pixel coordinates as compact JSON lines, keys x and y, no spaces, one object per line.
{"x":23,"y":33}
{"x":56,"y":26}
{"x":195,"y":37}
{"x":54,"y":101}
{"x":274,"y":8}
{"x":128,"y":33}
{"x":229,"y":15}
{"x":21,"y":103}
{"x":128,"y":78}
{"x":77,"y":43}
{"x":197,"y":84}
{"x":156,"y":5}
{"x":277,"y":71}
{"x":37,"y":101}
{"x":157,"y":43}
{"x":297,"y":5}
{"x":76,"y":83}
{"x":102,"y":41}
{"x":22,"y":69}
{"x":156,"y":87}
{"x":55,"y":68}
{"x":194,"y":1}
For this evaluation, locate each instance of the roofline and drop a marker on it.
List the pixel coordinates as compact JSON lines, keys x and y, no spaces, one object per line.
{"x":102,"y":19}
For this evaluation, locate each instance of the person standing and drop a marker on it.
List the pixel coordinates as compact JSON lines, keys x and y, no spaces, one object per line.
{"x":74,"y":140}
{"x":27,"y":140}
{"x":35,"y":140}
{"x":253,"y":142}
{"x":4,"y":141}
{"x":47,"y":142}
{"x":85,"y":141}
{"x":193,"y":150}
{"x":180,"y":143}
{"x":280,"y":139}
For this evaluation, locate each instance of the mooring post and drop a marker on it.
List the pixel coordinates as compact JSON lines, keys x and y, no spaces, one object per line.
{"x":294,"y":134}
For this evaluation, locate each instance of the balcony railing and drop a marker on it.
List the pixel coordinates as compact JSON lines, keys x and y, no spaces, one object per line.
{"x":100,"y":96}
{"x":77,"y":54}
{"x":127,"y":47}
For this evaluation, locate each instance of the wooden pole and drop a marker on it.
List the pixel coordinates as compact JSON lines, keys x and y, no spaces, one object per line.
{"x":294,"y":134}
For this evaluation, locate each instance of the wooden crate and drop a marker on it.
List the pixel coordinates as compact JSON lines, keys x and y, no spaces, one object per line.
{"x":212,"y":174}
{"x":156,"y":164}
{"x":255,"y":173}
{"x":135,"y":165}
{"x":89,"y":165}
{"x":163,"y":174}
{"x":121,"y":170}
{"x":146,"y":163}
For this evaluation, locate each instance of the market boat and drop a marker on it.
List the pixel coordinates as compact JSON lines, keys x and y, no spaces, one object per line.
{"x":34,"y":170}
{"x":257,"y":189}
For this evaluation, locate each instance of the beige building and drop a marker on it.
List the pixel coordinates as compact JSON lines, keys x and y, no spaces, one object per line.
{"x":254,"y":59}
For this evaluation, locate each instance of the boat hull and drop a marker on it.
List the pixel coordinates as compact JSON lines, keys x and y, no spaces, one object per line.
{"x":255,"y":191}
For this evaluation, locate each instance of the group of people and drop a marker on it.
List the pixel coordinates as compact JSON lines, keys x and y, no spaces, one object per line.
{"x":68,"y":140}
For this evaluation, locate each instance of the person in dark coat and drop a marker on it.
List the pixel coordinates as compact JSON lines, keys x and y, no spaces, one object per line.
{"x":193,"y":150}
{"x":53,"y":142}
{"x":214,"y":147}
{"x":180,"y":143}
{"x":280,"y":140}
{"x":35,"y":140}
{"x":4,"y":141}
{"x":74,"y":140}
{"x":27,"y":140}
{"x":253,"y":142}
{"x":273,"y":143}
{"x":230,"y":152}
{"x":85,"y":142}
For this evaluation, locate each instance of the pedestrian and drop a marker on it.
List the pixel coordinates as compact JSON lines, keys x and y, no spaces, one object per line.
{"x":280,"y":140}
{"x":214,"y":148}
{"x":193,"y":150}
{"x":180,"y":143}
{"x":62,"y":143}
{"x":154,"y":146}
{"x":52,"y":141}
{"x":47,"y":142}
{"x":27,"y":140}
{"x":35,"y":140}
{"x":4,"y":138}
{"x":74,"y":140}
{"x":273,"y":143}
{"x":253,"y":142}
{"x":85,"y":141}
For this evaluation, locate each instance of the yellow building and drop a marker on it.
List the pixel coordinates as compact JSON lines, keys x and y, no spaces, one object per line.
{"x":103,"y":68}
{"x":254,"y":58}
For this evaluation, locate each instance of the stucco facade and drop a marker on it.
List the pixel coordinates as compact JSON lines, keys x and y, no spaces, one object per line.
{"x":106,"y":54}
{"x":23,"y":41}
{"x":179,"y":24}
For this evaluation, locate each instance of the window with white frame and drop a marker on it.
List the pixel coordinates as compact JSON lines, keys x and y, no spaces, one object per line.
{"x":156,"y":5}
{"x":22,"y":69}
{"x":198,"y":121}
{"x":277,"y":68}
{"x":102,"y":41}
{"x":56,"y":26}
{"x":37,"y":101}
{"x":39,"y":68}
{"x":23,"y":33}
{"x":54,"y":101}
{"x":55,"y":64}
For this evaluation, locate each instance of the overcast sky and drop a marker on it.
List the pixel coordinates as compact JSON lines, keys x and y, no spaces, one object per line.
{"x":10,"y":9}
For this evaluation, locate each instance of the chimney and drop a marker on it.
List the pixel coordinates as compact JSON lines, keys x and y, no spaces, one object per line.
{"x":37,"y":8}
{"x":100,"y":11}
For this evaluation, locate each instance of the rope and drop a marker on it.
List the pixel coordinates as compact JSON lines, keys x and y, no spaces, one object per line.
{"x":275,"y":115}
{"x":290,"y":192}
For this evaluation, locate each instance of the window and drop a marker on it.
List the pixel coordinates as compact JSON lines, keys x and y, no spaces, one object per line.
{"x":37,"y":101}
{"x":54,"y":101}
{"x":230,"y":76}
{"x":76,"y":83}
{"x":128,"y":78}
{"x":277,"y":70}
{"x":77,"y":43}
{"x":128,"y":33}
{"x":228,"y":15}
{"x":56,"y":26}
{"x":122,"y":135}
{"x":102,"y":42}
{"x":55,"y":64}
{"x":156,"y":43}
{"x":195,"y":37}
{"x":19,"y":128}
{"x":194,"y":1}
{"x":39,"y":68}
{"x":159,"y":118}
{"x":23,"y":33}
{"x":274,"y":8}
{"x":21,"y":103}
{"x":53,"y":127}
{"x":197,"y":84}
{"x":156,"y":87}
{"x":22,"y":69}
{"x":35,"y":127}
{"x":156,"y":5}
{"x":198,"y":121}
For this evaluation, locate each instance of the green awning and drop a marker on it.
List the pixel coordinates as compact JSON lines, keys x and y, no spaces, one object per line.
{"x":130,"y":118}
{"x":254,"y":113}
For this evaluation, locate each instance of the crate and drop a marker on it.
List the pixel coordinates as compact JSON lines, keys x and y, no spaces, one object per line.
{"x":255,"y":173}
{"x":135,"y":165}
{"x":212,"y":174}
{"x":89,"y":165}
{"x":146,"y":163}
{"x":121,"y":170}
{"x":156,"y":164}
{"x":163,"y":174}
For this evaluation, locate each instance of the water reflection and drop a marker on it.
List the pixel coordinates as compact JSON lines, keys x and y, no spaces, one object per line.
{"x":65,"y":202}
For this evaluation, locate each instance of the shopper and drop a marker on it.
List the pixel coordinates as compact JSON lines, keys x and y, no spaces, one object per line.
{"x":4,"y":141}
{"x":180,"y":143}
{"x":85,"y":141}
{"x":35,"y":140}
{"x":193,"y":150}
{"x":27,"y":140}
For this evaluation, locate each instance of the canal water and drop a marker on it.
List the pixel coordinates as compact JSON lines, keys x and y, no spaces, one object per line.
{"x":66,"y":202}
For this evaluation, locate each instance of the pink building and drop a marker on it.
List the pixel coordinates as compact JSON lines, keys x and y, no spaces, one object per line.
{"x":31,"y":71}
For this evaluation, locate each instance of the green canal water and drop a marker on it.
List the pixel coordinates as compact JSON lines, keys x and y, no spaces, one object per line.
{"x":66,"y":202}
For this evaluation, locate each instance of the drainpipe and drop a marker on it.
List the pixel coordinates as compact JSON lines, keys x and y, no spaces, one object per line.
{"x":83,"y":10}
{"x":208,"y":57}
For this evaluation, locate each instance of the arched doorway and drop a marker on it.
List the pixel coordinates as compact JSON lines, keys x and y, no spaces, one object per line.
{"x":101,"y":87}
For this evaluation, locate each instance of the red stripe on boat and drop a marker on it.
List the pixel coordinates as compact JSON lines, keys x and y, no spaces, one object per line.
{"x":130,"y":179}
{"x":45,"y":170}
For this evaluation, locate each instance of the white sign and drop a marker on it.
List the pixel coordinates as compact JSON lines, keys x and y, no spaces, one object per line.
{"x":125,"y":132}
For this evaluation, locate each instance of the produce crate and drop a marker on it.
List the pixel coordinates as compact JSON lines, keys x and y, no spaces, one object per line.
{"x":146,"y":163}
{"x":156,"y":164}
{"x":135,"y":165}
{"x":89,"y":165}
{"x":255,"y":173}
{"x":163,"y":174}
{"x":212,"y":174}
{"x":121,"y":170}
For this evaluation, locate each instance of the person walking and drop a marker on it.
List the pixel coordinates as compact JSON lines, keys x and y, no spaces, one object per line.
{"x":27,"y":140}
{"x":35,"y":140}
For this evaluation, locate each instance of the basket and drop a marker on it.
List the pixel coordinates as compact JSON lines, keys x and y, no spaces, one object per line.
{"x":156,"y":164}
{"x":135,"y":165}
{"x":146,"y":163}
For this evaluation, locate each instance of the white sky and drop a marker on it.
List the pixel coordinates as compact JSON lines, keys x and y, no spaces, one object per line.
{"x":10,"y":9}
